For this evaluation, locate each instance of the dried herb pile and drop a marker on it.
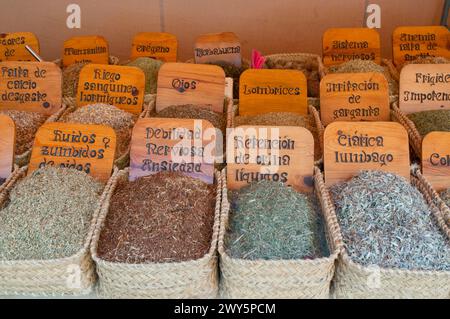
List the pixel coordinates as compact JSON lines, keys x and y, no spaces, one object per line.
{"x":232,"y":71}
{"x":271,"y":221}
{"x":27,"y":124}
{"x":48,"y":215}
{"x":386,"y":222}
{"x":103,"y":114}
{"x":361,"y":66}
{"x":166,"y":217}
{"x":445,"y":195}
{"x":429,"y":121}
{"x":70,"y":77}
{"x":151,"y":69}
{"x":430,"y":60}
{"x":307,"y":64}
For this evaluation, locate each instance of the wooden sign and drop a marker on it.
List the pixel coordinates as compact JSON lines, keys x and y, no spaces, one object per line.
{"x":216,"y":47}
{"x":436,"y":159}
{"x":264,"y":91}
{"x":12,"y":46}
{"x":121,"y":86}
{"x":281,"y":154}
{"x":410,"y":43}
{"x":156,"y":45}
{"x":340,"y":45}
{"x":351,"y":147}
{"x":85,"y":49}
{"x":30,"y":86}
{"x":176,"y":145}
{"x":85,"y":147}
{"x":7,"y":145}
{"x":354,"y":97}
{"x":424,"y":87}
{"x":188,"y":83}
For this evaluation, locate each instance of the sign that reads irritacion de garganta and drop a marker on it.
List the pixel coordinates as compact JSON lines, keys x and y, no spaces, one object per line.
{"x":218,"y":47}
{"x":7,"y":145}
{"x":85,"y":49}
{"x":156,"y":45}
{"x":12,"y":46}
{"x":436,"y":159}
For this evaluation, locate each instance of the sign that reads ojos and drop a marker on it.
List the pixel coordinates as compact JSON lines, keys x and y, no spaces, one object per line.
{"x":7,"y":145}
{"x":274,"y":153}
{"x":12,"y":46}
{"x":156,"y":45}
{"x":85,"y":147}
{"x":218,"y":47}
{"x":436,"y":159}
{"x":85,"y":49}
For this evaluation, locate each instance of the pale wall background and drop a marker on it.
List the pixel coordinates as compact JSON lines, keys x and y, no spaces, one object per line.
{"x":270,"y":26}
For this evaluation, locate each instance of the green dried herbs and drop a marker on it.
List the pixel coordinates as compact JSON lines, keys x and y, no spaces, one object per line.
{"x":429,"y":121}
{"x":271,"y":221}
{"x":151,"y":69}
{"x":166,"y":217}
{"x":70,"y":77}
{"x":48,"y":215}
{"x":103,"y":114}
{"x":27,"y":124}
{"x":386,"y":222}
{"x":360,"y":66}
{"x":430,"y":60}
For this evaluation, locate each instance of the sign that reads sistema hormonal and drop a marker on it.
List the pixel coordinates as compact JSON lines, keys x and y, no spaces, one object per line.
{"x":156,"y":45}
{"x":12,"y":46}
{"x":121,"y":86}
{"x":85,"y":49}
{"x":218,"y":47}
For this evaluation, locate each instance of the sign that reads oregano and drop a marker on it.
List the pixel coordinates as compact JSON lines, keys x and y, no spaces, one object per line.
{"x":85,"y":147}
{"x":176,"y":145}
{"x":264,"y":91}
{"x":85,"y":49}
{"x":411,"y":43}
{"x":121,"y":86}
{"x":436,"y":159}
{"x":156,"y":45}
{"x":7,"y":145}
{"x":340,"y":45}
{"x":424,"y":87}
{"x":351,"y":147}
{"x":12,"y":46}
{"x":30,"y":86}
{"x":354,"y":97}
{"x":275,"y":153}
{"x":218,"y":47}
{"x":188,"y":83}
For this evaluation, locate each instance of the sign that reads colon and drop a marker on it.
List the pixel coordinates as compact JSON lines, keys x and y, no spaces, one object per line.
{"x":156,"y":45}
{"x":411,"y":43}
{"x":85,"y":49}
{"x":274,"y":153}
{"x":264,"y":91}
{"x":218,"y":47}
{"x":354,"y":97}
{"x":436,"y":159}
{"x":188,"y":83}
{"x":12,"y":46}
{"x":85,"y":147}
{"x":7,"y":145}
{"x":30,"y":86}
{"x":340,"y":45}
{"x":176,"y":145}
{"x":424,"y":87}
{"x":354,"y":146}
{"x":121,"y":86}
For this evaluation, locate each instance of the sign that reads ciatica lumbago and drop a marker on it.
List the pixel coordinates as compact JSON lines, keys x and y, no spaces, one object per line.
{"x":218,"y":47}
{"x":85,"y":49}
{"x":30,"y":86}
{"x":424,"y":87}
{"x":12,"y":46}
{"x":7,"y":145}
{"x":354,"y":146}
{"x":176,"y":145}
{"x":121,"y":86}
{"x":85,"y":147}
{"x":273,"y":153}
{"x":436,"y":159}
{"x":354,"y":97}
{"x":156,"y":45}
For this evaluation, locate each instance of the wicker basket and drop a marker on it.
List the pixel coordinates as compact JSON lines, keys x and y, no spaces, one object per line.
{"x":74,"y":275}
{"x":353,"y":280}
{"x":278,"y":278}
{"x":415,"y":139}
{"x":188,"y":279}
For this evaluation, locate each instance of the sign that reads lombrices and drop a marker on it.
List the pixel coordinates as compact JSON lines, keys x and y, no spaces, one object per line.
{"x":176,"y":145}
{"x":85,"y":147}
{"x":436,"y":159}
{"x":30,"y":86}
{"x":280,"y":154}
{"x":156,"y":45}
{"x":121,"y":86}
{"x":218,"y":47}
{"x":350,"y":147}
{"x":85,"y":49}
{"x":12,"y":46}
{"x":354,"y":97}
{"x":7,"y":145}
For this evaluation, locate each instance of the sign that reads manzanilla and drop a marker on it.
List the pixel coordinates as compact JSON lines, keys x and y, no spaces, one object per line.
{"x":218,"y":47}
{"x":156,"y":45}
{"x":85,"y":49}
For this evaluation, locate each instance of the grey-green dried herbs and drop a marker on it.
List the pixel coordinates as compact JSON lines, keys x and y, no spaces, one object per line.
{"x":429,"y":121}
{"x":271,"y":221}
{"x":48,"y":215}
{"x":385,"y":221}
{"x":151,"y":69}
{"x":430,"y":60}
{"x":70,"y":77}
{"x":445,"y":195}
